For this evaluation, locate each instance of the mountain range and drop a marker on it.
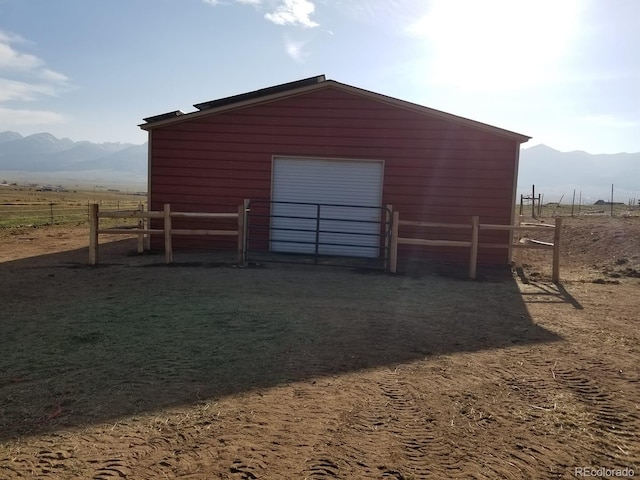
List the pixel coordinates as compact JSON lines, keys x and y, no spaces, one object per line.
{"x":45,"y":158}
{"x":556,"y":174}
{"x":44,"y":152}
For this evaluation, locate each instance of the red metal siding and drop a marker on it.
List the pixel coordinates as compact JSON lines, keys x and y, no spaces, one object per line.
{"x":435,"y":170}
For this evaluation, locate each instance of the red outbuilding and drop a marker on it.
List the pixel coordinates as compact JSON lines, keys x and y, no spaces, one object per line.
{"x":321,"y":160}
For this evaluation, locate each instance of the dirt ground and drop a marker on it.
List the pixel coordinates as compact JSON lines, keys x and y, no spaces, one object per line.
{"x":201,"y":370}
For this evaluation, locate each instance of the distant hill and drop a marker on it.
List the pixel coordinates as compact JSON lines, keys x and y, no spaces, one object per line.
{"x":43,"y":157}
{"x":556,"y":173}
{"x":8,"y":136}
{"x":45,"y":153}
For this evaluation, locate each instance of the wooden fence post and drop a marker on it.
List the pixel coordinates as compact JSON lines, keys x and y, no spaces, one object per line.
{"x":147,"y":222}
{"x":521,"y":200}
{"x":241,"y":211}
{"x":93,"y":234}
{"x":168,"y":248}
{"x":387,"y":238}
{"x":473,"y":262}
{"x":556,"y":250}
{"x":393,"y":247}
{"x":245,"y":232}
{"x":517,"y":256}
{"x":141,"y":227}
{"x":533,"y":202}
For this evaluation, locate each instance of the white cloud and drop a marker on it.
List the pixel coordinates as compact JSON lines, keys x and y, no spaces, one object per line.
{"x":295,"y":49}
{"x":15,"y":90}
{"x":52,"y":76}
{"x":11,"y":59}
{"x":283,"y":12}
{"x":293,"y":12}
{"x":14,"y":63}
{"x":11,"y":118}
{"x":25,"y":78}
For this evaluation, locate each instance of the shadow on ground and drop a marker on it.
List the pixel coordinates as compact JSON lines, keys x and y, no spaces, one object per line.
{"x":84,"y":345}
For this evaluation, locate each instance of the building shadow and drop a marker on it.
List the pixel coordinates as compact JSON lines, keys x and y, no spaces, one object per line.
{"x":546,"y":292}
{"x":87,"y":345}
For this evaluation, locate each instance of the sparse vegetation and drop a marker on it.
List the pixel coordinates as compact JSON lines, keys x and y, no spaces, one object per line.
{"x":33,"y":206}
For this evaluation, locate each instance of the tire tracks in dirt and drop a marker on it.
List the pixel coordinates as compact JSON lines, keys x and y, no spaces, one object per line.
{"x":616,"y":420}
{"x":542,"y":418}
{"x":576,"y":413}
{"x":423,"y":440}
{"x":510,"y":402}
{"x":388,"y":419}
{"x":426,"y":453}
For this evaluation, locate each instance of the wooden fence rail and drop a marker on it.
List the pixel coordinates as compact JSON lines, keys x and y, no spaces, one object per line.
{"x":167,"y":231}
{"x":473,"y":244}
{"x":474,"y":227}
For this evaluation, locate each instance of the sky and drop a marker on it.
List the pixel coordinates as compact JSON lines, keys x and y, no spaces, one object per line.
{"x":565,"y":72}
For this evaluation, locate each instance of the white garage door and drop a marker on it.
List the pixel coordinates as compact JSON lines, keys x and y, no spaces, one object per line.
{"x":339,"y":187}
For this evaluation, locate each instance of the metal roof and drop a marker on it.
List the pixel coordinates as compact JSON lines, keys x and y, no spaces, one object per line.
{"x":163,"y":116}
{"x":299,"y":87}
{"x":285,"y":87}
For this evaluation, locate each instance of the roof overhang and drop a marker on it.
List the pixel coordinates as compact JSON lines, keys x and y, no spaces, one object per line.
{"x":301,"y":87}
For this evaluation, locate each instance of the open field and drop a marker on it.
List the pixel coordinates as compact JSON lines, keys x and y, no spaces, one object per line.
{"x":20,"y":206}
{"x":134,"y":369}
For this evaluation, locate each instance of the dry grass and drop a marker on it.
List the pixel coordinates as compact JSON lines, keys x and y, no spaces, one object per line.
{"x":25,"y":206}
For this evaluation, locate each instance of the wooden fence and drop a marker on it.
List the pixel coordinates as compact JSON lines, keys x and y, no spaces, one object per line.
{"x":473,"y":244}
{"x":142,"y":229}
{"x":143,"y":232}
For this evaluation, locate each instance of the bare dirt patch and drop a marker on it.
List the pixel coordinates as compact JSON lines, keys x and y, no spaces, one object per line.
{"x":133,"y":369}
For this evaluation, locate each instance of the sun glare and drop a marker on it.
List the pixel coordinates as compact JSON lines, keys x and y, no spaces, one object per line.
{"x":495,"y":44}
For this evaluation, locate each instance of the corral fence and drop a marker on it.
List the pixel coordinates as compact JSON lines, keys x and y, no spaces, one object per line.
{"x":604,"y":206}
{"x":143,"y":231}
{"x":387,"y":240}
{"x":474,"y":227}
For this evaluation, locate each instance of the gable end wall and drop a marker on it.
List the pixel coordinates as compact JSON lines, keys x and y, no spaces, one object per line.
{"x":434,"y":170}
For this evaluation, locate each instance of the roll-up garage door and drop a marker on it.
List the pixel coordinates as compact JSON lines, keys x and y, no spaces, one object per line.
{"x":335,"y":201}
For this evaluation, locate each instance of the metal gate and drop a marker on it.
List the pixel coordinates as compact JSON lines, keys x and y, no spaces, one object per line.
{"x":318,"y":233}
